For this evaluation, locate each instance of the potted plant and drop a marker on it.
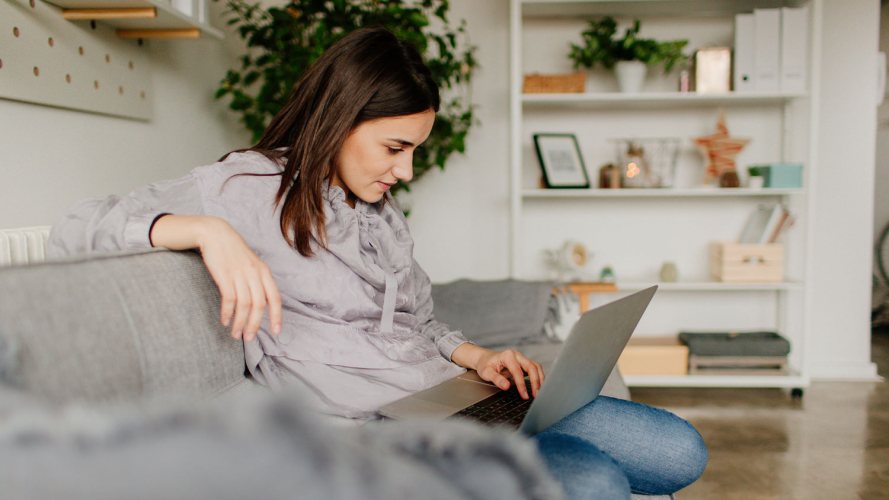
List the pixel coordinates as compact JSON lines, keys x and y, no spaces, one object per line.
{"x":284,"y":39}
{"x":629,"y":56}
{"x":756,"y":177}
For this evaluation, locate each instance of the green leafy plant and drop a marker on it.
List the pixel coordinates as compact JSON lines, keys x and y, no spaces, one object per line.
{"x":283,"y":41}
{"x":599,"y":46}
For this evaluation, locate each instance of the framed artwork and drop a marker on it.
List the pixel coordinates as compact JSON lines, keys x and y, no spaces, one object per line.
{"x":560,"y":160}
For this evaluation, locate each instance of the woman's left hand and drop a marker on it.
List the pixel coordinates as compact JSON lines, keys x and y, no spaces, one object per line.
{"x":496,"y":366}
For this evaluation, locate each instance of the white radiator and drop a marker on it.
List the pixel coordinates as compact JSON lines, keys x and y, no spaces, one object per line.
{"x":25,"y":245}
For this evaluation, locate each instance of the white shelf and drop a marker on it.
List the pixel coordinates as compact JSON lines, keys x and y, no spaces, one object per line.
{"x":711,"y":286}
{"x":660,"y":8}
{"x":654,"y":99}
{"x":167,"y":18}
{"x":790,"y":381}
{"x":656,"y":193}
{"x":640,"y":227}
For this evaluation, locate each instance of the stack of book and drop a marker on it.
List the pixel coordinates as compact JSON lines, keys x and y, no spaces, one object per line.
{"x":767,"y":224}
{"x":771,"y":50}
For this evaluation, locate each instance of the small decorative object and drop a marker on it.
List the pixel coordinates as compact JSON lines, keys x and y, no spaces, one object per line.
{"x":564,"y":310}
{"x":713,"y":70}
{"x":729,"y":179}
{"x":634,"y":166}
{"x":607,"y":275}
{"x":684,"y":81}
{"x":559,"y":157}
{"x":648,"y":162}
{"x":669,"y":272}
{"x":609,"y":177}
{"x":755,"y":179}
{"x":630,"y":55}
{"x":536,"y":83}
{"x":720,"y":150}
{"x":568,"y":261}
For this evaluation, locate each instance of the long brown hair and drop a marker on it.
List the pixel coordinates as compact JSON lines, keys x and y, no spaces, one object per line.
{"x":365,"y":75}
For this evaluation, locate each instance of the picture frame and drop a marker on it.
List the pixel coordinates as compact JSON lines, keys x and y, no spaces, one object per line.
{"x":561,"y":162}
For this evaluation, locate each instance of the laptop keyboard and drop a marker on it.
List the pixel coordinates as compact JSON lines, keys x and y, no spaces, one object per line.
{"x":504,"y":408}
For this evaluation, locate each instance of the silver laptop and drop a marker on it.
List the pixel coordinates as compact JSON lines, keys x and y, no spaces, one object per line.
{"x":574,"y":379}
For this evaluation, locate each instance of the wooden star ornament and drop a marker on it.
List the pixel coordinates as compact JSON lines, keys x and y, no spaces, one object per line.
{"x":720,"y":150}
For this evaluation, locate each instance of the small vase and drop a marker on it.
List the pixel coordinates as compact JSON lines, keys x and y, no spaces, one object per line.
{"x":630,"y":76}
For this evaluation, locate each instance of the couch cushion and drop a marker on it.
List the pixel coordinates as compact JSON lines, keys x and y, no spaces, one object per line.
{"x":494,"y":313}
{"x":118,"y":325}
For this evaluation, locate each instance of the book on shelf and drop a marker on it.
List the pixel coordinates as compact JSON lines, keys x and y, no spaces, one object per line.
{"x":766,"y":225}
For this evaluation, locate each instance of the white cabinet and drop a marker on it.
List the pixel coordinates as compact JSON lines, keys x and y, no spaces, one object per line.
{"x":636,"y":230}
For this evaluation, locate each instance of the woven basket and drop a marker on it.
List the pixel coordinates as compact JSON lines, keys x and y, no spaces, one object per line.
{"x":536,"y":83}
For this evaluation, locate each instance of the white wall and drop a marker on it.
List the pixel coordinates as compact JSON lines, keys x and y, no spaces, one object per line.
{"x":51,"y":158}
{"x":460,"y":217}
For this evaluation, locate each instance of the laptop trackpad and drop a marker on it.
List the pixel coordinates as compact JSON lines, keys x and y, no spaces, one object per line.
{"x":440,"y":401}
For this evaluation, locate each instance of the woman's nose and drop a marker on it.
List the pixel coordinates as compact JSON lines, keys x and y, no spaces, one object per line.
{"x":404,"y":169}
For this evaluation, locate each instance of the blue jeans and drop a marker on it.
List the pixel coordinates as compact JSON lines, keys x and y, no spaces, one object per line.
{"x":611,"y":447}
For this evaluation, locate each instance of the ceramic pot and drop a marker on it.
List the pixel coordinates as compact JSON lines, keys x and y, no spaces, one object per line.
{"x":630,"y":76}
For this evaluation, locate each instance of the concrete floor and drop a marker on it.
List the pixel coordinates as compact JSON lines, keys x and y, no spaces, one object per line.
{"x":832,"y":444}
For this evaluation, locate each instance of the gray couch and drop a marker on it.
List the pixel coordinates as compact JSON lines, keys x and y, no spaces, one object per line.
{"x":129,"y":326}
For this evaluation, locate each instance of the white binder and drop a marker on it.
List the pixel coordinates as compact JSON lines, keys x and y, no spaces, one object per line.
{"x":794,"y":45}
{"x":745,"y":36}
{"x":767,"y":56}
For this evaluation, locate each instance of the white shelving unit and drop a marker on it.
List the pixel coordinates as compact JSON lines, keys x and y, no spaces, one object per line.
{"x":635,"y":226}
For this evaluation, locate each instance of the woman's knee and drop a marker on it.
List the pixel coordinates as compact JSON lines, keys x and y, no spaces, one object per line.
{"x":583,"y":470}
{"x":658,"y":451}
{"x":691,"y":447}
{"x":683,"y":459}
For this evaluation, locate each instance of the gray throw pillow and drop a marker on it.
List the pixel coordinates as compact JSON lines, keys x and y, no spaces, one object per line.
{"x":494,"y":313}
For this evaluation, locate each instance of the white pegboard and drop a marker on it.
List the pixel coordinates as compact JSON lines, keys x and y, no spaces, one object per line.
{"x":45,"y":59}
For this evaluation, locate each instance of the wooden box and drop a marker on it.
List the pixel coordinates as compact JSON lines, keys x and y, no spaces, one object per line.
{"x":654,"y":356}
{"x":536,"y":83}
{"x":746,"y":263}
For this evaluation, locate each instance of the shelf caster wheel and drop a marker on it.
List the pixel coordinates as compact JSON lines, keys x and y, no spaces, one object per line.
{"x":796,"y":393}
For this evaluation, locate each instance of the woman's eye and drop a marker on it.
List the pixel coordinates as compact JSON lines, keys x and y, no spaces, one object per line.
{"x":394,"y":150}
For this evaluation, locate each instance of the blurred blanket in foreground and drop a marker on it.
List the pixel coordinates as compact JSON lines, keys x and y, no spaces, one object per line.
{"x":252,"y":445}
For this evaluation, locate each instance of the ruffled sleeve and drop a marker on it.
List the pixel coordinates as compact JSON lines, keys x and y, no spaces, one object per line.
{"x":122,"y":222}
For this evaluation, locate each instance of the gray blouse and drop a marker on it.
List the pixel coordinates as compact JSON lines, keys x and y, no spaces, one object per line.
{"x":358,"y":329}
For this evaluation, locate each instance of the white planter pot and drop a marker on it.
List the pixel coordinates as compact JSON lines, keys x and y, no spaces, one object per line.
{"x":630,"y":76}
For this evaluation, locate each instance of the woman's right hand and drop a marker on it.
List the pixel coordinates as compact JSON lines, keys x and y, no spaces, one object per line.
{"x":245,"y":282}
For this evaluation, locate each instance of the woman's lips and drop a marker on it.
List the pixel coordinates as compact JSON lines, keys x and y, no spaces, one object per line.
{"x":384,"y":186}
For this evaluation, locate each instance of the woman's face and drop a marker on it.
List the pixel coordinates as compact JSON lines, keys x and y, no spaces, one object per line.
{"x":378,"y":153}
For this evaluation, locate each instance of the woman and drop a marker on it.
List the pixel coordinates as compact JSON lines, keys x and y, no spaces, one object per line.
{"x":307,"y":209}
